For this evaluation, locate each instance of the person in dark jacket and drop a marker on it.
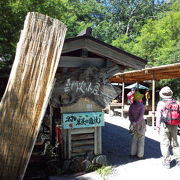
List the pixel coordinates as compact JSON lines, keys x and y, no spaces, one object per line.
{"x":137,"y":126}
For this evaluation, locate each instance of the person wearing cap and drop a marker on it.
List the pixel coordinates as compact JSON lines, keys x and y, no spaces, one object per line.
{"x":168,"y":132}
{"x":138,"y":126}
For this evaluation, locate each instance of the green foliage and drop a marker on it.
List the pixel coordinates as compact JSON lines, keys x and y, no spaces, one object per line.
{"x":92,"y":167}
{"x":8,"y":31}
{"x":123,"y":42}
{"x":105,"y":31}
{"x":76,"y":14}
{"x":104,"y":171}
{"x":126,"y":17}
{"x":159,"y":40}
{"x":110,"y":19}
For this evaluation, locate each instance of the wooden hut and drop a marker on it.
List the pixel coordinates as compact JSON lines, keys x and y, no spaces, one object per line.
{"x":82,"y":86}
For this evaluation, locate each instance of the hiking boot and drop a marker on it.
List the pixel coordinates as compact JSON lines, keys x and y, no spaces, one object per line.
{"x":166,"y":165}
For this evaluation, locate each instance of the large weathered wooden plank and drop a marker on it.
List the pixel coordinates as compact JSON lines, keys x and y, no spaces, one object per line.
{"x":25,"y":99}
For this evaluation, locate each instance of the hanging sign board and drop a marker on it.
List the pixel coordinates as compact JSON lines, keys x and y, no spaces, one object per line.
{"x":83,"y":120}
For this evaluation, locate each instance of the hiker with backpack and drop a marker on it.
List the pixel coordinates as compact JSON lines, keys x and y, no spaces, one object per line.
{"x":167,"y":121}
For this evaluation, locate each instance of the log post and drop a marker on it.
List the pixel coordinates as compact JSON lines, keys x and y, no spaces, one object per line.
{"x":26,"y":97}
{"x":52,"y":126}
{"x":153,"y":103}
{"x":122,"y":113}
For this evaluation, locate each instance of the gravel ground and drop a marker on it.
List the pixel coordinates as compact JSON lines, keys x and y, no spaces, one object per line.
{"x":116,"y":146}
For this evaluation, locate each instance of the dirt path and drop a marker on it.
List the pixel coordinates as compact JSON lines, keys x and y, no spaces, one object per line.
{"x":116,"y":145}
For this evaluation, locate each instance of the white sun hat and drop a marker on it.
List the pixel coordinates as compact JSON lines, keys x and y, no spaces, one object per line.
{"x":166,"y":92}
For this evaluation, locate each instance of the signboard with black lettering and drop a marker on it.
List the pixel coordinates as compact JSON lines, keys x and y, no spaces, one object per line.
{"x":83,"y":120}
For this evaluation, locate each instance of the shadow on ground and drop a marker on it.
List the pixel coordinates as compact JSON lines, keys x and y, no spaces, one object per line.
{"x":116,"y":145}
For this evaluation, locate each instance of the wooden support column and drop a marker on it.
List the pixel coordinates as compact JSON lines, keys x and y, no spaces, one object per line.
{"x":52,"y":126}
{"x":65,"y":143}
{"x":97,"y":141}
{"x":122,"y":113}
{"x":153,"y":102}
{"x":69,"y":143}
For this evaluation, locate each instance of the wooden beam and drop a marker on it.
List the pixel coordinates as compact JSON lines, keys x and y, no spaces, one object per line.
{"x":82,"y":130}
{"x":171,"y":71}
{"x":78,"y":143}
{"x":117,"y":57}
{"x":71,"y":61}
{"x":104,"y":51}
{"x":82,"y":136}
{"x":82,"y":149}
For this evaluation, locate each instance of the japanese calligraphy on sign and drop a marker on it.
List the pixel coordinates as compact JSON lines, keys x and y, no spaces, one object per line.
{"x":82,"y":87}
{"x":82,"y":120}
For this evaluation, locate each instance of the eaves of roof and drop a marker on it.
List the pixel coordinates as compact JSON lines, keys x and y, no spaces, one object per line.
{"x":141,"y":62}
{"x":171,"y":71}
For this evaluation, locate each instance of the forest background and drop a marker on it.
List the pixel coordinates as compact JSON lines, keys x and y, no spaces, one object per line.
{"x":149,"y":29}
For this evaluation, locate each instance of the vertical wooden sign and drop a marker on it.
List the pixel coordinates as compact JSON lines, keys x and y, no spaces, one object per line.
{"x":25,"y":99}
